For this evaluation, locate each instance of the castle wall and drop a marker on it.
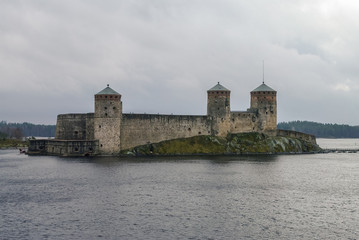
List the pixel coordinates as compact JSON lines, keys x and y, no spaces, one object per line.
{"x":220,"y":126}
{"x":140,"y":129}
{"x":75,"y":126}
{"x":294,"y":134}
{"x":243,"y":122}
{"x":63,"y":147}
{"x":90,"y":135}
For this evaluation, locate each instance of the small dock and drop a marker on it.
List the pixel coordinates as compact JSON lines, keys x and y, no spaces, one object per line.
{"x":340,"y":150}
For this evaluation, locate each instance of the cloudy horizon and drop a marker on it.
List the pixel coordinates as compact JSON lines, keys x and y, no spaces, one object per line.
{"x":162,"y":56}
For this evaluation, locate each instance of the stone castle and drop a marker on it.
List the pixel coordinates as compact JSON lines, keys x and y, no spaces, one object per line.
{"x":108,"y":130}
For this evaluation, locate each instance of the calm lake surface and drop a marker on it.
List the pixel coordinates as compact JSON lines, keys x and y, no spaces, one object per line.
{"x":313,"y":196}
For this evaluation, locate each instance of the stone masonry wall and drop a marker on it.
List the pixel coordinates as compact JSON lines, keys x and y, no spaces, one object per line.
{"x":265,"y":103}
{"x":218,"y":103}
{"x":243,"y":122}
{"x":294,"y":134}
{"x":107,"y":123}
{"x":74,"y":126}
{"x":139,"y":129}
{"x":63,"y":147}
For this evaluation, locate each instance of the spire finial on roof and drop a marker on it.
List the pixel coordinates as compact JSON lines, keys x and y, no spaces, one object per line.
{"x":108,"y":90}
{"x":218,"y":87}
{"x":263,"y":71}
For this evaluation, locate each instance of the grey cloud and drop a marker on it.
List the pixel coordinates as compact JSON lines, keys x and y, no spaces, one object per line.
{"x":163,"y":55}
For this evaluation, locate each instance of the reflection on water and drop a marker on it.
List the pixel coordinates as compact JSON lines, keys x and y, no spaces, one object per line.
{"x":246,"y":197}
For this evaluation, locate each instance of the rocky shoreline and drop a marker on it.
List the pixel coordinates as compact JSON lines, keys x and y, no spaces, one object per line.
{"x":232,"y":144}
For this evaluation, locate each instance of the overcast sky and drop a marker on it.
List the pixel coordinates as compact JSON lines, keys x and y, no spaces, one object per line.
{"x":163,"y":55}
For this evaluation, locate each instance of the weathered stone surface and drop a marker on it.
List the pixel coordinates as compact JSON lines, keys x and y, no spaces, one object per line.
{"x":63,"y":147}
{"x":75,"y":127}
{"x":107,"y":121}
{"x":139,"y":129}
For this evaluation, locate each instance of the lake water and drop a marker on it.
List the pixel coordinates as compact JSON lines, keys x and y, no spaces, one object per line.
{"x":311,"y":196}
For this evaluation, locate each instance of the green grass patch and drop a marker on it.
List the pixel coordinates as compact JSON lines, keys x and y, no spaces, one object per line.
{"x":242,"y":143}
{"x":13,"y":143}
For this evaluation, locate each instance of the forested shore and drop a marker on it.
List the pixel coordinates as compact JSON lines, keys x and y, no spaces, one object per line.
{"x":321,"y":130}
{"x":20,"y":130}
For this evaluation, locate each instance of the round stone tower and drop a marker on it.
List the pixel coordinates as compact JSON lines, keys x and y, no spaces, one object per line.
{"x":107,"y":120}
{"x":218,"y":102}
{"x":264,"y":102}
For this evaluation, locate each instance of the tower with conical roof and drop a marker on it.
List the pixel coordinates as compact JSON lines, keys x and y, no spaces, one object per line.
{"x":107,"y":120}
{"x":218,"y":102}
{"x":264,"y":103}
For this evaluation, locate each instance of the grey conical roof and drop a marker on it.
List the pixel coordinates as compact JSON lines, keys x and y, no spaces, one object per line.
{"x":108,"y":91}
{"x":218,"y":87}
{"x":263,"y":88}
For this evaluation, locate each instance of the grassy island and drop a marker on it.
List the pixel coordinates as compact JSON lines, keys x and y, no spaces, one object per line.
{"x":13,"y":143}
{"x":242,"y":143}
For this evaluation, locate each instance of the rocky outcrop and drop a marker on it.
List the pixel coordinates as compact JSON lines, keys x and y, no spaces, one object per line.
{"x":242,"y":143}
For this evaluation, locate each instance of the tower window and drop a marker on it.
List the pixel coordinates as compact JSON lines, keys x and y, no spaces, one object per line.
{"x":106,"y":114}
{"x":189,"y":129}
{"x":114,"y":108}
{"x":99,"y":126}
{"x":105,"y":108}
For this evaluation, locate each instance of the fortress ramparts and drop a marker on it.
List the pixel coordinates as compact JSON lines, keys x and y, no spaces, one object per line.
{"x":107,"y":131}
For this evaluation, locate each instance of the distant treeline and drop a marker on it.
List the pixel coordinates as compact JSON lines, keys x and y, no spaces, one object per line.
{"x":18,"y":130}
{"x":321,"y":130}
